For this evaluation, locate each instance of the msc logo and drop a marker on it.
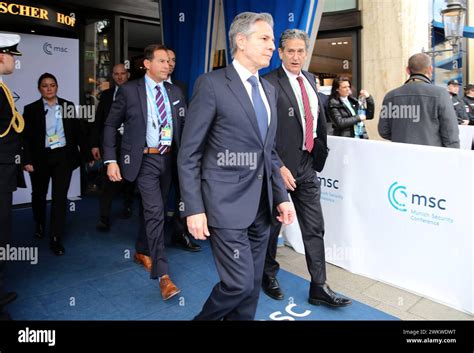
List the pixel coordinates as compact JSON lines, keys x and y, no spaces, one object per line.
{"x":392,"y":197}
{"x":398,"y":198}
{"x":49,"y":49}
{"x":329,"y":183}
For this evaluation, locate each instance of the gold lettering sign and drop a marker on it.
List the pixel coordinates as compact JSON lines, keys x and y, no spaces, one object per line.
{"x":35,"y":12}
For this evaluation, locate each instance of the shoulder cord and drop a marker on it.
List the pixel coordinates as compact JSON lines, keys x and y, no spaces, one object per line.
{"x":17,"y":121}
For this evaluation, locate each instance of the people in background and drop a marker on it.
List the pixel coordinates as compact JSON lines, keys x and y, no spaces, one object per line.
{"x":469,"y":102}
{"x":458,"y":103}
{"x":11,"y":175}
{"x":234,"y":111}
{"x":181,"y":85}
{"x":54,"y":145}
{"x":120,"y":75}
{"x":348,"y":113}
{"x":419,"y":112}
{"x":179,"y":234}
{"x":325,"y":103}
{"x":302,"y":147}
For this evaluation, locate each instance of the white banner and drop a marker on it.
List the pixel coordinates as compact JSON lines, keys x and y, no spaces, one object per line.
{"x":402,"y":214}
{"x":60,"y":57}
{"x":466,"y":136}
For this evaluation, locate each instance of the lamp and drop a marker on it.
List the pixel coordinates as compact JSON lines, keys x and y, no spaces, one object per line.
{"x":454,"y":16}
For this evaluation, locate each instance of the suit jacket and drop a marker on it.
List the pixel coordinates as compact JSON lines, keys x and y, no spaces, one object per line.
{"x":183,"y":87}
{"x":130,"y":108}
{"x":221,"y":129}
{"x":35,"y":132}
{"x":342,"y":118}
{"x":290,"y":137}
{"x":435,"y":124}
{"x":97,"y":130}
{"x":10,"y":149}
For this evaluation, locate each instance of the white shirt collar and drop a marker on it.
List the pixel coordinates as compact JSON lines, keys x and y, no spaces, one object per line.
{"x":291,"y":75}
{"x":169,"y":80}
{"x":243,"y":72}
{"x":152,"y":83}
{"x":45,"y":102}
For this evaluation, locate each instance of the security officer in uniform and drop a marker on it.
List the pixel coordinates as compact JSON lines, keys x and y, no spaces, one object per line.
{"x":458,"y":103}
{"x":11,"y":175}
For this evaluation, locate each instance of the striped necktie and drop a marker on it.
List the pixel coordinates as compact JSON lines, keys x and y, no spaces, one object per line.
{"x":160,"y":103}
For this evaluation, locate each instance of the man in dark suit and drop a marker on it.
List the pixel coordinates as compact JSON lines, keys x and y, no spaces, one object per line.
{"x":152,"y":112}
{"x":228,"y":168}
{"x":54,"y":145}
{"x":180,"y":235}
{"x":11,"y":175}
{"x":182,"y":85}
{"x":109,"y":188}
{"x":302,"y":147}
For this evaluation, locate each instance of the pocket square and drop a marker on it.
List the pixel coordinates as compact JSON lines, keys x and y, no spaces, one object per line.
{"x":174,"y":103}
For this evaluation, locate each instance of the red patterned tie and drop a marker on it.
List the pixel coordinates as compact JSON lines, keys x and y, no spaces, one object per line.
{"x":308,"y":140}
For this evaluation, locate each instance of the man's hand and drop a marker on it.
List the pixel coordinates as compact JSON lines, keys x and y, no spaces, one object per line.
{"x":96,"y":153}
{"x":465,"y":122}
{"x":364,"y":93}
{"x":197,"y":226}
{"x":113,"y":172}
{"x":286,"y":213}
{"x":29,"y":168}
{"x":288,"y":178}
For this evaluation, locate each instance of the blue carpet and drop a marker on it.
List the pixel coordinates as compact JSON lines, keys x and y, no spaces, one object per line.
{"x":97,"y":280}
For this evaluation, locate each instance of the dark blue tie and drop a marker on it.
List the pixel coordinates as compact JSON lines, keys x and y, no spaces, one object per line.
{"x":259,"y":107}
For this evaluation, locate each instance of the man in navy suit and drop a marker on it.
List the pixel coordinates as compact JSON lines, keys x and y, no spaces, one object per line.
{"x":152,"y":112}
{"x":302,"y":147}
{"x":228,"y":168}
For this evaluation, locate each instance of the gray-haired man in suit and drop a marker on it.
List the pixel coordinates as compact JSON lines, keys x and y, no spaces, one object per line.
{"x":228,"y":168}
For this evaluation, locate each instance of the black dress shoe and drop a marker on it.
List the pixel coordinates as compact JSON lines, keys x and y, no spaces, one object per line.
{"x":271,"y":287}
{"x":39,"y":231}
{"x":184,"y":241}
{"x":103,"y":225}
{"x":126,"y":213}
{"x":56,"y":247}
{"x":7,"y":299}
{"x":322,"y":294}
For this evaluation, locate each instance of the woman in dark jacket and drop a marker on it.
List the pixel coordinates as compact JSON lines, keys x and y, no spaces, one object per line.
{"x":345,"y":110}
{"x":54,"y":145}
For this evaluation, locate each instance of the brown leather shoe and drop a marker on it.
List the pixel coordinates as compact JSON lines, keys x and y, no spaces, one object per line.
{"x":168,"y":289}
{"x":144,"y":260}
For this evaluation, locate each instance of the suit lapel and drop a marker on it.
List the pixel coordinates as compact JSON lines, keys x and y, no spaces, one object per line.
{"x":174,"y":114}
{"x":141,"y":88}
{"x":41,"y":117}
{"x":238,"y":88}
{"x":65,"y":121}
{"x":270,"y":93}
{"x":286,"y":86}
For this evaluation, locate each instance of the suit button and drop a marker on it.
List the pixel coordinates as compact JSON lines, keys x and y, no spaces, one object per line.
{"x":260,"y":177}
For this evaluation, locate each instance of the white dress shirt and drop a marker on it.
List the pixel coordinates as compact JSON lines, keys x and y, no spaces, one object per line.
{"x":313,"y":100}
{"x":244,"y":75}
